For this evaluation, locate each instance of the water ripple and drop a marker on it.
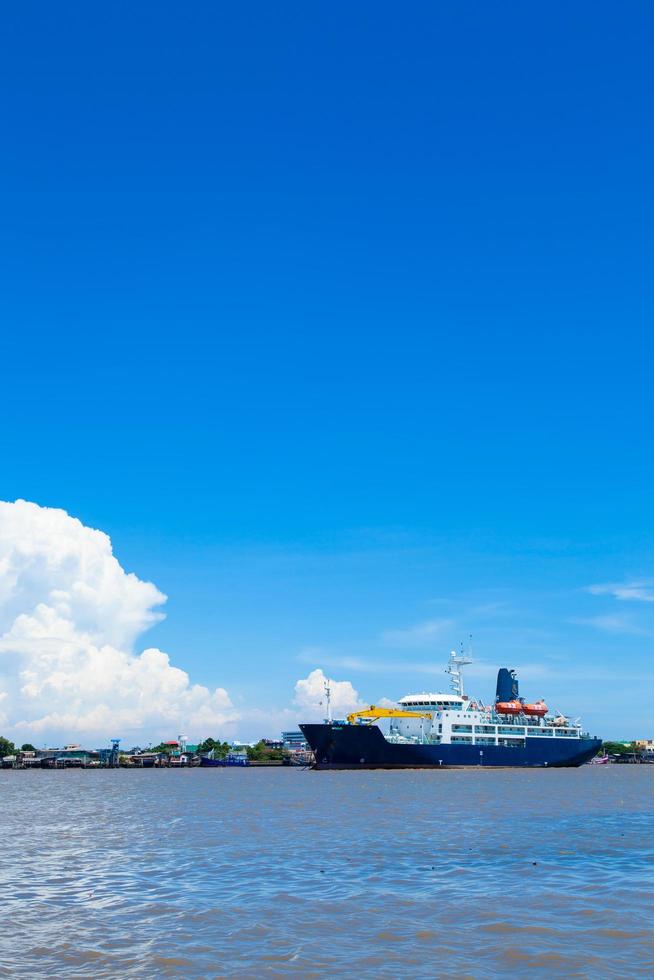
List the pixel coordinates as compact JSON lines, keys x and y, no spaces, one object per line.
{"x":261,"y":873}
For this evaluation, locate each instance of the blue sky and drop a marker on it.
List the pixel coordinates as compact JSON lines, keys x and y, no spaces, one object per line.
{"x":337,"y":319}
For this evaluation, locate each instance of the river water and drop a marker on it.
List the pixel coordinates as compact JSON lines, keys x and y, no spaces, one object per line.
{"x":285,"y":872}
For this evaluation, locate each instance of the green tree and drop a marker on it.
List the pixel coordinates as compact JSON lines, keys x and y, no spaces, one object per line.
{"x":162,"y":748}
{"x":27,"y":747}
{"x":263,"y":753}
{"x":219,"y":749}
{"x":617,"y":748}
{"x":6,"y":747}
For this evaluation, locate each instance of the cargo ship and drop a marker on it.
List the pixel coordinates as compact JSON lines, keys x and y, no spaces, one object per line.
{"x":452,"y":730}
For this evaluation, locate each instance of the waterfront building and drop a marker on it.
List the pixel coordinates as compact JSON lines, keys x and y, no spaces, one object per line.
{"x":69,"y":756}
{"x":294,"y":741}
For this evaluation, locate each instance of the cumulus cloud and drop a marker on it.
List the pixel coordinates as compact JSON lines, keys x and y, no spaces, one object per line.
{"x":70,"y":617}
{"x":311,"y":700}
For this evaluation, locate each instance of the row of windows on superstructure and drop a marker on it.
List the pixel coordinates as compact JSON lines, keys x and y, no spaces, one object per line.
{"x":515,"y":730}
{"x":481,"y":740}
{"x":491,"y":729}
{"x":489,"y":739}
{"x":431,"y":704}
{"x":511,"y":742}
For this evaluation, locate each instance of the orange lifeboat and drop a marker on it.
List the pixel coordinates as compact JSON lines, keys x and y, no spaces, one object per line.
{"x":508,"y":707}
{"x":539,"y":708}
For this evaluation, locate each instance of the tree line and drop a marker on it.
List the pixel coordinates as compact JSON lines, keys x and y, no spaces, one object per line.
{"x":8,"y":748}
{"x":256,"y":753}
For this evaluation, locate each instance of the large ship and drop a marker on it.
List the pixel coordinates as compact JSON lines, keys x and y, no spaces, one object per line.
{"x":452,"y":730}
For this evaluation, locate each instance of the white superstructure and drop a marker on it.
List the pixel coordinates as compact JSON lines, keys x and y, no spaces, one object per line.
{"x":454,"y":717}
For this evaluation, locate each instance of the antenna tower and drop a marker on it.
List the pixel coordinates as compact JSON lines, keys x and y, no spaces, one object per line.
{"x":328,"y":696}
{"x":453,"y":668}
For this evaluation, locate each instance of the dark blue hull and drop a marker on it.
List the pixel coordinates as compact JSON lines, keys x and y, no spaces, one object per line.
{"x":364,"y":747}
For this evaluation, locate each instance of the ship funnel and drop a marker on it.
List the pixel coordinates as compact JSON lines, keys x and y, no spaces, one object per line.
{"x":507,"y":685}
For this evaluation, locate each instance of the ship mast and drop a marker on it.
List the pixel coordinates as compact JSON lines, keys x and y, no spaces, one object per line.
{"x":456,"y":662}
{"x":328,"y":697}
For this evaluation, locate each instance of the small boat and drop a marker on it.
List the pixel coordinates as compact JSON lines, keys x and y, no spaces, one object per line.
{"x":232,"y":759}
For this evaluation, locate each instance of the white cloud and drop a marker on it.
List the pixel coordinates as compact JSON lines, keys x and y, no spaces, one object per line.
{"x":311,"y":700}
{"x":419,"y":634}
{"x":635,"y":591}
{"x":69,"y":619}
{"x":385,"y":703}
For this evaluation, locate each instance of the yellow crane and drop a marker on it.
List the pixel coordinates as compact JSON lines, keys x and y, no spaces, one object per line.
{"x":374,"y":714}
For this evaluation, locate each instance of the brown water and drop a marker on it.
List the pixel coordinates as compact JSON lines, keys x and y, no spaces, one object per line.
{"x":255,"y":873}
